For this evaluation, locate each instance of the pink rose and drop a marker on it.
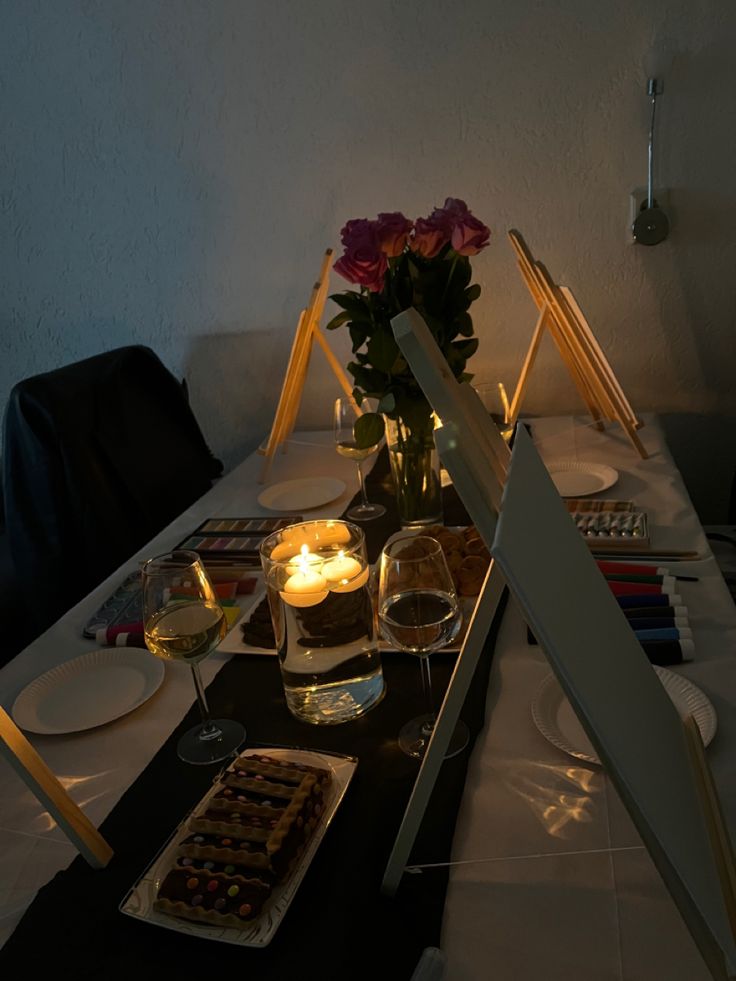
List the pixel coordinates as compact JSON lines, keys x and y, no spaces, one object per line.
{"x":468,"y":234}
{"x":431,"y":234}
{"x":393,"y":230}
{"x":364,"y":262}
{"x":355,"y":229}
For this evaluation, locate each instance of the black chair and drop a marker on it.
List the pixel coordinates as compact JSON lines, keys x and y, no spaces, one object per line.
{"x":98,"y":457}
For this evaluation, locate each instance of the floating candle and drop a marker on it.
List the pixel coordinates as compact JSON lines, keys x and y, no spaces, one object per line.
{"x":344,"y":573}
{"x":332,"y":533}
{"x":304,"y":588}
{"x":310,"y":559}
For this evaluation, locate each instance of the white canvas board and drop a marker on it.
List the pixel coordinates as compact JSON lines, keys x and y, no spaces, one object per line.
{"x":603,"y":670}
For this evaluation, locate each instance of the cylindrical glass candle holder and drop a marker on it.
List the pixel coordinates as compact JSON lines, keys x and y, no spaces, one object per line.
{"x":317,"y":577}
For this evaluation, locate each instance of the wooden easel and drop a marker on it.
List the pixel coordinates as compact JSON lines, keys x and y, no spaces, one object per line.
{"x":307,"y":331}
{"x":562,"y":317}
{"x":46,"y":788}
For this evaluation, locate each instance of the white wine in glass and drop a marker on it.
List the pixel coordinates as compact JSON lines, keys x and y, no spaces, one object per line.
{"x":419,"y":612}
{"x":183,"y":621}
{"x":345,"y":444}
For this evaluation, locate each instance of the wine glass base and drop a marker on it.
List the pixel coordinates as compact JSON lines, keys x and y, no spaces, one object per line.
{"x":365,"y":512}
{"x":195,"y":748}
{"x":415,"y":735}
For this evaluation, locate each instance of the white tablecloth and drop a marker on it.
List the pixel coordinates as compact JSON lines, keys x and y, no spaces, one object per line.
{"x":552,"y":879}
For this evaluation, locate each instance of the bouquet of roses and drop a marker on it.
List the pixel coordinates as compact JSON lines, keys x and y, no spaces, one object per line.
{"x":396,"y":264}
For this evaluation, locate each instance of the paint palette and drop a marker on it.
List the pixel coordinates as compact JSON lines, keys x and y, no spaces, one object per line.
{"x":235,"y":539}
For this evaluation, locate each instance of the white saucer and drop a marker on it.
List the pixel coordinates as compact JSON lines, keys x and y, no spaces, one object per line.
{"x":574,"y":479}
{"x":88,"y":691}
{"x":301,"y":494}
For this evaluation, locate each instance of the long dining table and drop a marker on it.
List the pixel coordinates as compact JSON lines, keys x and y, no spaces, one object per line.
{"x":546,"y":876}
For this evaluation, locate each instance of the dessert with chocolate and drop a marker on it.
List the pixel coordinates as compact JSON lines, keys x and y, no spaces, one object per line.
{"x":258,"y":631}
{"x":248,"y":838}
{"x":210,"y":897}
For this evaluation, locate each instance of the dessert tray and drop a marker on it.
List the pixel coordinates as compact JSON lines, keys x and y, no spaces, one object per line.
{"x":142,"y":900}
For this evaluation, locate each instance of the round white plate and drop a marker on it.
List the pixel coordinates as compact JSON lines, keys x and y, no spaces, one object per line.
{"x":89,"y":691}
{"x":556,"y":719}
{"x":573,"y":479}
{"x":301,"y":494}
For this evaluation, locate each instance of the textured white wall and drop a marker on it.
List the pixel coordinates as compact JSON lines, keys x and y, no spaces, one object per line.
{"x":172,"y":171}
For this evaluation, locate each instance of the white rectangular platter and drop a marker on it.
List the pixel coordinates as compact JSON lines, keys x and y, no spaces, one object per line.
{"x":260,"y":931}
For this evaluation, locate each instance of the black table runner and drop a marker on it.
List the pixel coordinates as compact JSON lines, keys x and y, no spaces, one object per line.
{"x":338,"y":925}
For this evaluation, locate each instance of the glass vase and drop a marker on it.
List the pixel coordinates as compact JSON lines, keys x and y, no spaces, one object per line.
{"x":415,"y":468}
{"x":318,"y":581}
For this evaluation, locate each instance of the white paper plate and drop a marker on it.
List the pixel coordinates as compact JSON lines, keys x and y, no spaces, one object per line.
{"x":89,"y":691}
{"x":574,"y":479}
{"x":301,"y":494}
{"x":260,"y":931}
{"x":556,"y":719}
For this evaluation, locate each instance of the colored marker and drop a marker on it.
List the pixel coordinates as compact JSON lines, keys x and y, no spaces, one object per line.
{"x":664,"y":652}
{"x":656,"y":623}
{"x":108,"y":635}
{"x":640,"y":588}
{"x":632,"y":568}
{"x":647,"y":580}
{"x":635,"y":569}
{"x":130,"y":640}
{"x":649,"y":599}
{"x":665,"y":633}
{"x":658,"y":612}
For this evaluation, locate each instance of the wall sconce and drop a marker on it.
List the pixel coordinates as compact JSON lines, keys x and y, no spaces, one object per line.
{"x":651,"y":225}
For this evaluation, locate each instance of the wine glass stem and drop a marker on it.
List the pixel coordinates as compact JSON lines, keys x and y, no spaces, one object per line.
{"x":209,"y":730}
{"x":361,"y":478}
{"x":428,"y":696}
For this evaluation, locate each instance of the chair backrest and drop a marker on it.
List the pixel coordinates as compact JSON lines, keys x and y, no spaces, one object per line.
{"x":98,"y":457}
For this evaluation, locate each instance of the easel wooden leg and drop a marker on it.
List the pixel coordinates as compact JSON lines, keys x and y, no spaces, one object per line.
{"x":46,"y":788}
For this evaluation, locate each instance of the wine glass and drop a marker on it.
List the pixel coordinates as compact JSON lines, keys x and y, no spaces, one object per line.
{"x":418,"y":612}
{"x":495,"y":402}
{"x":183,"y":621}
{"x":345,"y":416}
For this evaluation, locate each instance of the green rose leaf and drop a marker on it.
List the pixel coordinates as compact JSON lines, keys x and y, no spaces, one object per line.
{"x":368,"y":430}
{"x":358,"y":335}
{"x":464,"y":324}
{"x":372,"y":382}
{"x":353,"y":302}
{"x":416,"y":414}
{"x":387,"y":403}
{"x":466,"y":348}
{"x":383,"y":351}
{"x":338,"y":321}
{"x":472,"y":293}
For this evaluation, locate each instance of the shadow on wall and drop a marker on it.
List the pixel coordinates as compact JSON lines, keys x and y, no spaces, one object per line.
{"x":704,"y":449}
{"x":236,"y":380}
{"x":233,"y":382}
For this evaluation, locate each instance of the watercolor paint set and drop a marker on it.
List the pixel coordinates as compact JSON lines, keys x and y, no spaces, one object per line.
{"x":233,"y":539}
